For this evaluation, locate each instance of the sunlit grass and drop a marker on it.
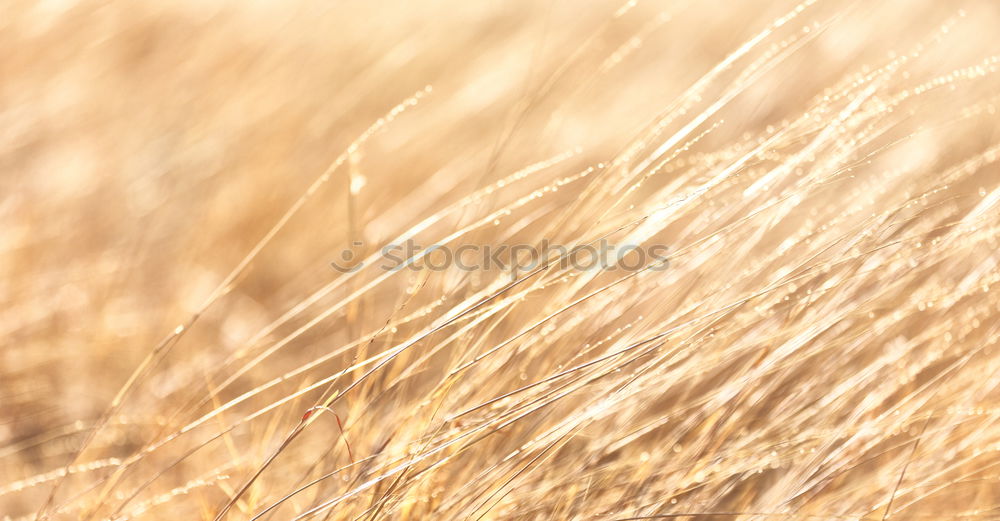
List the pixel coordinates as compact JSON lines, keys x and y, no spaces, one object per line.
{"x":178,"y":178}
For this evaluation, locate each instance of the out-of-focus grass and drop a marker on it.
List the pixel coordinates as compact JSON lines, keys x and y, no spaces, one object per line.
{"x":822,"y":346}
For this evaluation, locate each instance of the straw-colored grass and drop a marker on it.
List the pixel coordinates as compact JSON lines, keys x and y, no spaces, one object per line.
{"x":178,"y":177}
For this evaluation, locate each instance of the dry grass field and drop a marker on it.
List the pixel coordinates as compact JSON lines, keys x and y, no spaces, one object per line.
{"x":176,"y":178}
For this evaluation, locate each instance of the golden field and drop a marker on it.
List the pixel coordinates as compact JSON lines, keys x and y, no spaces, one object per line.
{"x":176,"y":179}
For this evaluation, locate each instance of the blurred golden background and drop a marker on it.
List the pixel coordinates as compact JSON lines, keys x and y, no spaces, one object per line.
{"x":176,"y":177}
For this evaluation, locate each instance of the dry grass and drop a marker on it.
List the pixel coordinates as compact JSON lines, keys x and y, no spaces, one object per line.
{"x":175,"y":184}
